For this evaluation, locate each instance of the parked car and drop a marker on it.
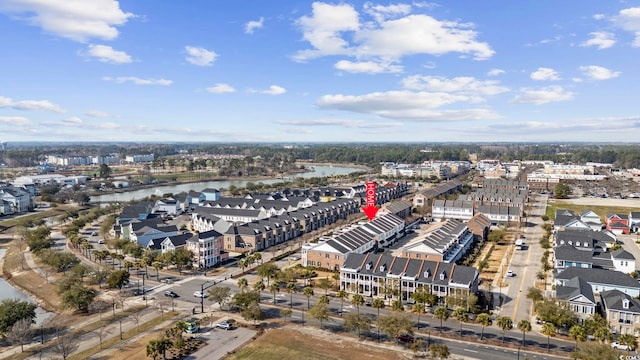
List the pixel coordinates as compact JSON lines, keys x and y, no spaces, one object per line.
{"x":94,"y":234}
{"x":192,"y":327}
{"x":510,"y":273}
{"x":405,"y":338}
{"x":100,"y":241}
{"x":170,"y":293}
{"x":617,"y":345}
{"x":199,"y":294}
{"x":225,"y":325}
{"x":368,"y":302}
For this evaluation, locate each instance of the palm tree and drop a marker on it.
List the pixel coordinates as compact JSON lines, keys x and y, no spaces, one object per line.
{"x":242,"y":284}
{"x":274,"y":288}
{"x":603,"y":334}
{"x":378,"y":304}
{"x":524,"y":326}
{"x":324,"y":299}
{"x":259,"y":286}
{"x":629,"y":340}
{"x":308,"y":292}
{"x":342,"y":295}
{"x":485,"y":320}
{"x":550,"y":330}
{"x":157,"y":347}
{"x":292,"y":288}
{"x":460,"y":314}
{"x":577,"y":333}
{"x":242,"y":263}
{"x":397,"y":305}
{"x":505,"y":323}
{"x":357,"y":300}
{"x":157,"y":265}
{"x":441,"y":313}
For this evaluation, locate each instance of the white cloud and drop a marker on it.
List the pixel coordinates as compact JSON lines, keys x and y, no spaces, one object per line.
{"x":36,"y":105}
{"x":74,"y":120}
{"x":407,"y":105}
{"x":200,"y":56}
{"x":462,"y":84}
{"x":78,"y":20}
{"x":251,"y":26}
{"x":273,"y":90}
{"x":543,"y":95}
{"x":97,"y":113}
{"x":629,"y":20}
{"x":381,"y":13}
{"x":14,"y":120}
{"x":221,"y":88}
{"x":108,"y":55}
{"x":137,"y":80}
{"x":598,"y":16}
{"x":347,"y":123}
{"x":545,"y":74}
{"x":495,"y":72}
{"x":337,"y":30}
{"x":369,"y":67}
{"x":600,"y":39}
{"x":595,"y":72}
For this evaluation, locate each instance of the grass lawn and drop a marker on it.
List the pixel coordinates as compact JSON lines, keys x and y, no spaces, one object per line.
{"x":281,"y":344}
{"x":577,"y":208}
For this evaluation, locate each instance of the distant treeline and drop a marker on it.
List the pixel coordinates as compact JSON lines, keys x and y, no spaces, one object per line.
{"x":625,"y":156}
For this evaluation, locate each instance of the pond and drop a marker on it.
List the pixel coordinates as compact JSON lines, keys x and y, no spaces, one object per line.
{"x":9,"y":292}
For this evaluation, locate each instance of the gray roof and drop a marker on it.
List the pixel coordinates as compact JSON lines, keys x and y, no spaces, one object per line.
{"x":575,"y":287}
{"x":569,"y":253}
{"x":599,"y":276}
{"x":613,"y":300}
{"x":563,"y":217}
{"x":622,"y":254}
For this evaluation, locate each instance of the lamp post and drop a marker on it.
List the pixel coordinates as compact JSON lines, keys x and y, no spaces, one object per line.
{"x":121,"y":329}
{"x":202,"y":289}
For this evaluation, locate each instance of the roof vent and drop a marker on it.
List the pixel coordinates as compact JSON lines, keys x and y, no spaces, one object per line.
{"x":427,"y":274}
{"x":383,"y":268}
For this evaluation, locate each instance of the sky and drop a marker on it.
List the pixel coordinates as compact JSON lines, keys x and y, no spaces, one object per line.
{"x":302,"y":71}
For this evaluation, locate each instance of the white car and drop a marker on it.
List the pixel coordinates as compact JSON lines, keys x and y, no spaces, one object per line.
{"x":199,"y":294}
{"x":510,"y":273}
{"x":617,"y":345}
{"x":224,"y":325}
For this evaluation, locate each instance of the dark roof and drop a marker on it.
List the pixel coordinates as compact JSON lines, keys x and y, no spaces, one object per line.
{"x":613,"y":300}
{"x":563,"y":217}
{"x":622,"y":254}
{"x":568,"y":252}
{"x":575,"y":287}
{"x":179,"y":240}
{"x":599,"y":276}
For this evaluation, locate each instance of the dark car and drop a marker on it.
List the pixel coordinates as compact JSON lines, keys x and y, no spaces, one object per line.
{"x":170,"y":293}
{"x":405,"y":338}
{"x":368,"y":302}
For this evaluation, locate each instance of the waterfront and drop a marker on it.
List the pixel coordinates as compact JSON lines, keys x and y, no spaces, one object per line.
{"x":318,"y":171}
{"x":9,"y":292}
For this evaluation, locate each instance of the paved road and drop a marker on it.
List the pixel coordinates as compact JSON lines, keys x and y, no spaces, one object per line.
{"x":525,"y":264}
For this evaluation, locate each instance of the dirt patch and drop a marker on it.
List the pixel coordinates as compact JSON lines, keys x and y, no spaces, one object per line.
{"x":280,"y":344}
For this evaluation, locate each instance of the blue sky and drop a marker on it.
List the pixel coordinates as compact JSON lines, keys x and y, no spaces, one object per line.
{"x":301,"y":71}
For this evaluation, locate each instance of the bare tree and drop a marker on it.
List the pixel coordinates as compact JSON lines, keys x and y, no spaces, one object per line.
{"x":103,"y":331}
{"x":65,"y":344}
{"x":99,"y":306}
{"x":20,"y":332}
{"x":136,"y":316}
{"x":163,"y":305}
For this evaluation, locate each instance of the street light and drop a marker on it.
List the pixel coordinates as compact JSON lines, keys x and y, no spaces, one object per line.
{"x":202,"y":289}
{"x":121,"y":329}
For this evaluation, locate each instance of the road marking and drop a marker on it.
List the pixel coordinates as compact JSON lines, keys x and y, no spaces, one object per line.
{"x":524,"y":273}
{"x":473,"y":351}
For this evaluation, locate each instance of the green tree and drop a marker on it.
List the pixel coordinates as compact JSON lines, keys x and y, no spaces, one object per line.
{"x":291,"y":287}
{"x":308,"y":292}
{"x":439,"y":351}
{"x":577,"y":333}
{"x":561,"y":191}
{"x":12,"y":310}
{"x":549,"y":330}
{"x":397,"y":305}
{"x":628,"y":340}
{"x":252,"y":312}
{"x":505,"y":323}
{"x":357,"y":322}
{"x":267,"y":270}
{"x":285,"y":313}
{"x":534,"y":295}
{"x":357,"y":300}
{"x":603,"y":334}
{"x":378,"y":304}
{"x":243,"y":300}
{"x":341,"y":294}
{"x":259,"y":286}
{"x":395,"y":324}
{"x":77,"y":297}
{"x":274,"y":288}
{"x":105,"y":171}
{"x":484,"y":320}
{"x":118,"y":279}
{"x":324,"y":284}
{"x":219,"y":294}
{"x":460,"y":314}
{"x":320,"y":312}
{"x":159,"y":347}
{"x":524,"y":326}
{"x":243,"y":284}
{"x":442,"y":314}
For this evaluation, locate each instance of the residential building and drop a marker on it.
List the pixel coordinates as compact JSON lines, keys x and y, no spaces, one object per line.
{"x":600,"y":280}
{"x":622,"y":312}
{"x":208,"y":248}
{"x":617,"y":223}
{"x":171,"y":243}
{"x":578,"y":296}
{"x":374,"y":274}
{"x":135,"y":159}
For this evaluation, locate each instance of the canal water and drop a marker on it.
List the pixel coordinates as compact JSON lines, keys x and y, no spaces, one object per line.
{"x":318,"y":171}
{"x":9,"y":292}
